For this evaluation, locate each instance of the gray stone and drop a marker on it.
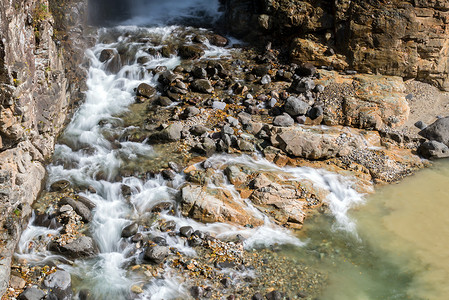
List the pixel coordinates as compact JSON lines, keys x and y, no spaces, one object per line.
{"x":295,"y":106}
{"x":190,"y":111}
{"x":433,"y":149}
{"x":186,"y":231}
{"x":200,"y":73}
{"x":199,"y":130}
{"x":80,"y":248}
{"x":302,"y":85}
{"x":315,"y":112}
{"x":202,"y":86}
{"x":272,"y":102}
{"x":233,"y":121}
{"x":420,"y":125}
{"x":79,"y":208}
{"x":266,"y":79}
{"x":245,"y":145}
{"x":145,"y":90}
{"x":171,"y":133}
{"x":31,"y":293}
{"x":218,"y":105}
{"x":437,"y":131}
{"x":245,"y":118}
{"x":156,"y":254}
{"x":130,"y":230}
{"x":60,"y":284}
{"x":283,"y":120}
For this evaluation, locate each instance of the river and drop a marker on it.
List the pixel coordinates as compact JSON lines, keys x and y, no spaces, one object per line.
{"x":391,"y":245}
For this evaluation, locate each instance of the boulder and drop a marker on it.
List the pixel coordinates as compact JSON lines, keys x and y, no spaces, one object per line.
{"x":315,"y":143}
{"x":283,"y":120}
{"x":82,"y":247}
{"x":437,"y":131}
{"x":210,"y":206}
{"x":433,"y":149}
{"x":79,"y":208}
{"x":190,"y":51}
{"x":170,"y":134}
{"x":31,"y":293}
{"x":202,"y":86}
{"x":130,"y":230}
{"x":295,"y":106}
{"x":60,"y":285}
{"x":156,"y":254}
{"x":145,"y":90}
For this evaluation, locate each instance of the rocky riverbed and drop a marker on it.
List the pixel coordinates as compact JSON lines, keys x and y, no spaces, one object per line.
{"x":200,"y":157}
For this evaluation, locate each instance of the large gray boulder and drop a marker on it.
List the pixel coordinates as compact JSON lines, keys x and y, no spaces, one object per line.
{"x":295,"y":106}
{"x":82,"y":247}
{"x":437,"y":131}
{"x":156,"y":254}
{"x":59,"y":284}
{"x":170,"y":134}
{"x":79,"y":208}
{"x":433,"y":149}
{"x":32,"y":293}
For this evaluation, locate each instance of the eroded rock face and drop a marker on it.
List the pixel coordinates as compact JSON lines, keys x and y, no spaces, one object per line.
{"x":402,"y":38}
{"x":36,"y":66}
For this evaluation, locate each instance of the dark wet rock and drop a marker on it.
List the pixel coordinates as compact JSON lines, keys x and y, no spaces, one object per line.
{"x":164,"y":101}
{"x":190,"y":52}
{"x":295,"y":106}
{"x":60,"y":285}
{"x":46,"y":220}
{"x":163,"y":206}
{"x":420,"y":125}
{"x":194,"y":241}
{"x":82,"y":247}
{"x":137,"y":238}
{"x":437,"y":131}
{"x":87,"y":202}
{"x":186,"y":231}
{"x":84,"y":295}
{"x":106,"y":55}
{"x":217,"y":40}
{"x":126,"y":190}
{"x":168,"y":226}
{"x":319,"y":88}
{"x":159,"y":240}
{"x":156,"y":254}
{"x":315,"y":112}
{"x":261,"y":70}
{"x":171,"y":133}
{"x":196,"y":292}
{"x":226,"y":282}
{"x":283,"y":120}
{"x":274,"y":295}
{"x":199,"y":130}
{"x":433,"y":150}
{"x":302,"y":85}
{"x":199,"y":39}
{"x":199,"y":73}
{"x":202,"y":86}
{"x":59,"y":186}
{"x":306,"y":69}
{"x":32,"y":293}
{"x":79,"y":208}
{"x":145,"y":90}
{"x":168,"y":174}
{"x":168,"y":51}
{"x":130,"y":230}
{"x":302,"y":294}
{"x":168,"y":77}
{"x":190,"y":111}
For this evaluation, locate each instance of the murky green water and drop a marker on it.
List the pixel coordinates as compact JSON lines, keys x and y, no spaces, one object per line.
{"x":400,"y":250}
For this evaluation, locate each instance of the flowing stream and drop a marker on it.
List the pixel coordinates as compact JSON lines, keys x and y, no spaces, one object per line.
{"x":393,"y":247}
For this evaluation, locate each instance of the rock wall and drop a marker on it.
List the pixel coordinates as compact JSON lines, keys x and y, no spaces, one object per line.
{"x":41,"y":48}
{"x":408,"y":38}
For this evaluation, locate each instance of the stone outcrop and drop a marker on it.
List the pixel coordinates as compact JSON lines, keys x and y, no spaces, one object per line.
{"x":402,"y":38}
{"x":41,"y":48}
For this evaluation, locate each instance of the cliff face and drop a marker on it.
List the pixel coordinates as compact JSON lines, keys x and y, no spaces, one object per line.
{"x":404,"y":38}
{"x":41,"y":46}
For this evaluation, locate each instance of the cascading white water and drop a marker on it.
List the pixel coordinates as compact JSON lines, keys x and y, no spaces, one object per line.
{"x":86,"y":153}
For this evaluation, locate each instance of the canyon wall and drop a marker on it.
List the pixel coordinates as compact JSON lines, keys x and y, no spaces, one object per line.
{"x":408,"y":38}
{"x":41,"y":49}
